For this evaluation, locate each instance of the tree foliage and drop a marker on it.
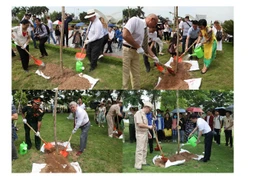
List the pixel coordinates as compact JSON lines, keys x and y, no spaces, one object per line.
{"x":82,"y":15}
{"x":130,"y":12}
{"x":228,"y":27}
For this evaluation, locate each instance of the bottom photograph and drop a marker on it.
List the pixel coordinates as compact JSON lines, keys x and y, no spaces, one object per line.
{"x":119,"y":131}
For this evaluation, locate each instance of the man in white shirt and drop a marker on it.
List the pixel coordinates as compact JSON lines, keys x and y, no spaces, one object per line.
{"x":81,"y":104}
{"x":94,"y":38}
{"x":217,"y":124}
{"x":185,"y":27}
{"x":82,"y":122}
{"x":50,"y":25}
{"x":135,"y":34}
{"x":204,"y":129}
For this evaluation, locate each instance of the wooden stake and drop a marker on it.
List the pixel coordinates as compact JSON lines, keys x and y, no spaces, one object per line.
{"x":54,"y":113}
{"x":178,"y":119}
{"x":61,"y":39}
{"x":176,"y":17}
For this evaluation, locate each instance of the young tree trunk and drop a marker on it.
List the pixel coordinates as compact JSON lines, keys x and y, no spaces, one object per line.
{"x":61,"y":39}
{"x":176,"y":17}
{"x":55,"y":111}
{"x":178,"y":119}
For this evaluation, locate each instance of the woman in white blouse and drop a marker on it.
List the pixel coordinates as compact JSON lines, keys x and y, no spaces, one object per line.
{"x":21,"y":36}
{"x":101,"y":115}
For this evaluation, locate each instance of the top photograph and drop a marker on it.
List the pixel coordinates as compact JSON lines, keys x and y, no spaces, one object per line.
{"x":133,"y":47}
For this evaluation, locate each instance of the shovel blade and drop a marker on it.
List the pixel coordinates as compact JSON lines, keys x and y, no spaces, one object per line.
{"x":64,"y":153}
{"x":48,"y":146}
{"x":38,"y":62}
{"x":80,"y":56}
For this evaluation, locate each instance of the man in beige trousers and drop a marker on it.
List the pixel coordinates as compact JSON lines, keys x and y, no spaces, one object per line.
{"x":135,"y":35}
{"x":113,"y":111}
{"x":141,"y":127}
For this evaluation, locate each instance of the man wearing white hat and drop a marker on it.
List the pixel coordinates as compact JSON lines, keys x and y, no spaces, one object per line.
{"x":94,"y":38}
{"x":141,"y":126}
{"x":113,"y":111}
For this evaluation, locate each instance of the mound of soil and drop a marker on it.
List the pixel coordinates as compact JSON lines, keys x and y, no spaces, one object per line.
{"x":176,"y":157}
{"x":56,"y":163}
{"x":75,"y":82}
{"x":174,"y":82}
{"x":54,"y":72}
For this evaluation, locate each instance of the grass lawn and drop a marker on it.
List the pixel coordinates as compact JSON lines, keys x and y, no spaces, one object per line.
{"x":108,"y":70}
{"x":102,"y":154}
{"x":219,"y":75}
{"x":221,"y":158}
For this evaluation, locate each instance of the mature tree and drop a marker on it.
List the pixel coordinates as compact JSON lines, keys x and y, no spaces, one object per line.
{"x":55,"y":15}
{"x":228,"y":27}
{"x":15,"y":11}
{"x":140,"y":12}
{"x":82,"y":15}
{"x":128,"y":13}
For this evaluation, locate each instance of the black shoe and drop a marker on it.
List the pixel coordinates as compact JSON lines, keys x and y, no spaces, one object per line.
{"x":139,"y":169}
{"x":46,"y":54}
{"x":91,"y":69}
{"x":203,"y":160}
{"x":36,"y":47}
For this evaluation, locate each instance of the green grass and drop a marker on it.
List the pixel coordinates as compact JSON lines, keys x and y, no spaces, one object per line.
{"x":107,"y":71}
{"x":219,"y":75}
{"x":221,"y":158}
{"x":102,"y":154}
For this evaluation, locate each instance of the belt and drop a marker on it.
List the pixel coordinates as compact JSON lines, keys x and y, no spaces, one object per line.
{"x":129,"y":46}
{"x":84,"y":124}
{"x":207,"y":133}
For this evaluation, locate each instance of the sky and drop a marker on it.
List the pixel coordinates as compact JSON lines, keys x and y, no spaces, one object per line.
{"x":213,"y":13}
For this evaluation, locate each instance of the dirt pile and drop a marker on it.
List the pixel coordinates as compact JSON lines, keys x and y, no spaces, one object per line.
{"x":173,"y":82}
{"x":56,"y":163}
{"x":69,"y":80}
{"x":176,"y":157}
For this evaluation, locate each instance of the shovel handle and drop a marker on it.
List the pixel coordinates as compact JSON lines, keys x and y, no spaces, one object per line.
{"x":188,"y":48}
{"x":34,"y":131}
{"x":158,"y":142}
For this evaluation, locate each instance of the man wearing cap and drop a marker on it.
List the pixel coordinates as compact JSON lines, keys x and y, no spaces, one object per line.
{"x":185,"y":27}
{"x":82,"y":122}
{"x":112,"y":113}
{"x":33,"y":116}
{"x":142,"y":132}
{"x":204,"y":129}
{"x":135,"y":42}
{"x":94,"y":38}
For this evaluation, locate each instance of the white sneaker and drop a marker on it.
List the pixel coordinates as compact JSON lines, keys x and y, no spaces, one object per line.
{"x":100,"y":56}
{"x":111,"y":136}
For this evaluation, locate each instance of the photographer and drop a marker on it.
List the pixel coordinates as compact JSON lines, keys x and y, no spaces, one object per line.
{"x":41,"y":35}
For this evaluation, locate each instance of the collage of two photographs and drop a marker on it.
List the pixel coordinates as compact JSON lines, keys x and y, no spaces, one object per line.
{"x":134,"y":89}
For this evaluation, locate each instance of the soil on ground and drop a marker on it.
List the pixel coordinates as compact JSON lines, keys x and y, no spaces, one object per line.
{"x":56,"y":163}
{"x":173,"y":82}
{"x":176,"y":157}
{"x":68,"y":80}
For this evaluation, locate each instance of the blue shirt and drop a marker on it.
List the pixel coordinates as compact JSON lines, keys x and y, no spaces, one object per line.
{"x":149,"y":118}
{"x":192,"y":33}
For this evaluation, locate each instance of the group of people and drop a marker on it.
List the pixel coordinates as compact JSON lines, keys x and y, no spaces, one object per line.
{"x":32,"y":115}
{"x":143,"y":123}
{"x":144,"y":36}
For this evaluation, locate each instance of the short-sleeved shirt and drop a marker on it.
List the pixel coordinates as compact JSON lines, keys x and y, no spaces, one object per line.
{"x":32,"y":115}
{"x":136,"y":27}
{"x":203,"y":126}
{"x":227,"y":122}
{"x":114,"y":110}
{"x":217,"y":122}
{"x":192,"y":33}
{"x":152,"y":37}
{"x":19,"y":37}
{"x":140,"y":118}
{"x":185,"y":27}
{"x":81,"y":118}
{"x":130,"y":118}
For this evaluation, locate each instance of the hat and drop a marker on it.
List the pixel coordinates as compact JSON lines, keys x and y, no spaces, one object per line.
{"x":193,"y":116}
{"x":37,"y":100}
{"x":148,"y":104}
{"x":90,"y":13}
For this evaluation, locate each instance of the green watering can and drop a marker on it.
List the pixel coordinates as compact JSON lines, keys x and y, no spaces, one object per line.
{"x":198,"y":52}
{"x":79,"y":66}
{"x":23,"y":148}
{"x":193,"y":141}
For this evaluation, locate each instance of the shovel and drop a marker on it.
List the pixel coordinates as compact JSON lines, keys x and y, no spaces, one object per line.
{"x":64,"y":152}
{"x":37,"y":61}
{"x":47,"y":146}
{"x":164,"y":159}
{"x":80,"y":55}
{"x":160,"y":66}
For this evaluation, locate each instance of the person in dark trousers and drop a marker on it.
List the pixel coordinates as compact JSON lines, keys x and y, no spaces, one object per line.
{"x":168,"y":126}
{"x":41,"y":35}
{"x":192,"y":36}
{"x":21,"y":36}
{"x":33,"y":116}
{"x":228,"y":125}
{"x":110,"y":40}
{"x":68,"y":19}
{"x":149,"y":117}
{"x":14,"y":116}
{"x":130,"y":117}
{"x":205,"y":130}
{"x":185,"y":27}
{"x":94,"y":39}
